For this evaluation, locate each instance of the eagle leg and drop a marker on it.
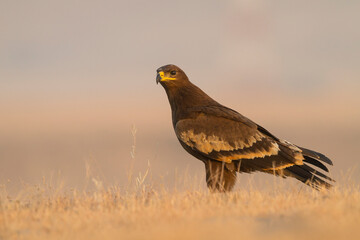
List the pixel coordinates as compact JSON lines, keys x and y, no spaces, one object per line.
{"x":220,"y":176}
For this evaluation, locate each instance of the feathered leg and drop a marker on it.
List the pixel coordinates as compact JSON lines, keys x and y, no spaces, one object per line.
{"x":220,"y":177}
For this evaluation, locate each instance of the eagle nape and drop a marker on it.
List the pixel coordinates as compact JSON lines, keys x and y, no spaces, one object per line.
{"x":228,"y":142}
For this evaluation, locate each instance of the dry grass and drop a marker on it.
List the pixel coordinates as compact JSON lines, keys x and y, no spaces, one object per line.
{"x":143,"y":211}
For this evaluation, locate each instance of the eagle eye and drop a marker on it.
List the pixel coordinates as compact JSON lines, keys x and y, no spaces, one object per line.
{"x":173,"y":72}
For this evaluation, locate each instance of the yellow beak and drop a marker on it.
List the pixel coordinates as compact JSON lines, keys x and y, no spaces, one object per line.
{"x":161,"y":77}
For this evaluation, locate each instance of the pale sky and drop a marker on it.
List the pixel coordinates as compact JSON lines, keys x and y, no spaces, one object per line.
{"x":74,"y":46}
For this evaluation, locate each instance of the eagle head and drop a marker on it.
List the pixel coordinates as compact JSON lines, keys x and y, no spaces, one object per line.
{"x":170,"y":75}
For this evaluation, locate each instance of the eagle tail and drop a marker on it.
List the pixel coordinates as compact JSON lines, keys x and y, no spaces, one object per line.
{"x":316,"y":163}
{"x":315,"y":155}
{"x":309,"y":176}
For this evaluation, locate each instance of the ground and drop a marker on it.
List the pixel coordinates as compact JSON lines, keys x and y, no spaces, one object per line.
{"x":145,"y":211}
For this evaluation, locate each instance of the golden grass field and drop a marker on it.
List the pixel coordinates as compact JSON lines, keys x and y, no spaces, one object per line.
{"x":279,"y":210}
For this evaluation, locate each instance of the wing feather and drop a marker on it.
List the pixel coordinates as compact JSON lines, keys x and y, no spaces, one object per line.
{"x":225,"y":135}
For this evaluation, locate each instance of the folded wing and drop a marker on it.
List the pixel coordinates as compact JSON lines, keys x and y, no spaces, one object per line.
{"x":221,"y":134}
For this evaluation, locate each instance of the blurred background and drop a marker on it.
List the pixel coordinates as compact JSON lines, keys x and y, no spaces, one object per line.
{"x":77,"y":77}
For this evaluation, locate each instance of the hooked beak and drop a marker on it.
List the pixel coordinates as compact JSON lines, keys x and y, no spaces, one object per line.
{"x":158,"y":77}
{"x":161,"y":77}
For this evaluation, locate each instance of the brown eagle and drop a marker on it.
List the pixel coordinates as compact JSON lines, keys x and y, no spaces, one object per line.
{"x":227,"y":142}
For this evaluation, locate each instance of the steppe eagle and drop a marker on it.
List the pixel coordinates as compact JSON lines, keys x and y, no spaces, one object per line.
{"x":228,"y":142}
